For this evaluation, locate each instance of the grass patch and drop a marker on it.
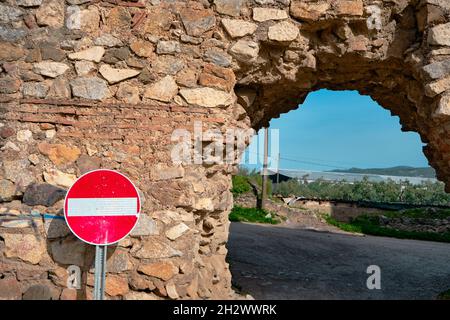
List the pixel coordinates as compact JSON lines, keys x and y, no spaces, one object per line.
{"x":444,"y":295}
{"x":370,"y":225}
{"x":241,"y":214}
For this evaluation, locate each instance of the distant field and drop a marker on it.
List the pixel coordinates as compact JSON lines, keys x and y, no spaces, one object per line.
{"x":402,"y":171}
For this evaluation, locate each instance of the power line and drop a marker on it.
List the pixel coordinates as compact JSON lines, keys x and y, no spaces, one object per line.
{"x":305,"y":162}
{"x":322,"y":160}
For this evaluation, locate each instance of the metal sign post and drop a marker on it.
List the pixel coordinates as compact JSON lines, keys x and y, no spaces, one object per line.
{"x":101,"y":208}
{"x":100,"y":272}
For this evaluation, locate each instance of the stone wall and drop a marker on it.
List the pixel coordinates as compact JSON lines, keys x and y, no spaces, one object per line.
{"x":416,"y":224}
{"x":88,"y":84}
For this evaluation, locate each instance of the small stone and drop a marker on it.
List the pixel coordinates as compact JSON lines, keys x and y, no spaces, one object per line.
{"x":142,"y":48}
{"x":265,"y":14}
{"x":12,"y":34}
{"x":308,"y":11}
{"x":11,"y":52}
{"x":86,"y":20}
{"x":119,"y":18}
{"x":189,"y":39}
{"x":283,"y":32}
{"x":163,"y":90}
{"x":87,"y":163}
{"x":136,"y":63}
{"x":50,"y":68}
{"x":59,"y":178}
{"x":358,"y":43}
{"x":24,"y":135}
{"x":206,"y":97}
{"x":116,"y":285}
{"x":197,"y":22}
{"x":37,"y":292}
{"x":128,"y":93}
{"x":60,"y":88}
{"x":68,"y":251}
{"x":30,"y":21}
{"x":92,"y":54}
{"x":9,"y":14}
{"x":34,"y":159}
{"x":443,"y":109}
{"x":59,"y":153}
{"x":56,"y":228}
{"x":145,"y":226}
{"x":29,"y":3}
{"x":28,"y":75}
{"x":440,"y":3}
{"x":239,"y":28}
{"x":229,"y":7}
{"x":84,"y":67}
{"x":177,"y":231}
{"x":18,"y":171}
{"x":10,"y":289}
{"x":91,"y":150}
{"x":167,"y":65}
{"x":148,"y":76}
{"x":26,"y":247}
{"x":187,"y":78}
{"x":55,"y":54}
{"x":158,"y":21}
{"x":434,"y":88}
{"x":115,"y":55}
{"x":89,"y":88}
{"x":7,"y":190}
{"x":108,"y":40}
{"x":51,"y":14}
{"x":245,"y":51}
{"x":34,"y":89}
{"x":119,"y":262}
{"x":217,"y":77}
{"x":153,"y":248}
{"x":172,"y":291}
{"x":43,"y":194}
{"x":116,"y":75}
{"x":140,"y":296}
{"x":164,"y":172}
{"x":349,"y":7}
{"x":9,"y":85}
{"x":16,"y":224}
{"x":68,"y":294}
{"x":440,"y":35}
{"x":204,"y":204}
{"x":10,"y":145}
{"x":161,"y":270}
{"x":218,"y":57}
{"x":168,"y":47}
{"x":437,"y":70}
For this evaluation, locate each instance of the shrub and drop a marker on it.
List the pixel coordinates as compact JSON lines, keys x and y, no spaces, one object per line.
{"x":240,"y":185}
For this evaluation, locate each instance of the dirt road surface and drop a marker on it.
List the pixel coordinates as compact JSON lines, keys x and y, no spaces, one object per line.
{"x":272,"y":262}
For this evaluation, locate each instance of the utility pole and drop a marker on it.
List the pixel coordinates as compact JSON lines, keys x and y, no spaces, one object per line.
{"x":264,"y":177}
{"x":278,"y":169}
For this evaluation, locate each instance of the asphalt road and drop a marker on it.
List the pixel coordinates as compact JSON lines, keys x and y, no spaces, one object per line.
{"x":282,"y":263}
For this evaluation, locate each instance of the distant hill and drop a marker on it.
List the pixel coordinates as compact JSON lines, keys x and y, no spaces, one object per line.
{"x":403,"y":171}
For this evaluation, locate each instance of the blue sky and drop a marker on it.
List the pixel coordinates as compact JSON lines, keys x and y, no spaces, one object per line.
{"x":343,"y":129}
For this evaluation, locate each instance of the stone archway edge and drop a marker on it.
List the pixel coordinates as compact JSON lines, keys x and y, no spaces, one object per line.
{"x":90,"y":84}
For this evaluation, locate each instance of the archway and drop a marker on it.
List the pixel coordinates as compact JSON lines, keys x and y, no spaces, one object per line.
{"x":97,"y":84}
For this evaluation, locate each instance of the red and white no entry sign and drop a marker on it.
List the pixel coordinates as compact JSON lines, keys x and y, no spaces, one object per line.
{"x":102,"y":207}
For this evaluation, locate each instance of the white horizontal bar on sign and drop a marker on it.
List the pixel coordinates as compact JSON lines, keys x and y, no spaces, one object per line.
{"x":81,"y":207}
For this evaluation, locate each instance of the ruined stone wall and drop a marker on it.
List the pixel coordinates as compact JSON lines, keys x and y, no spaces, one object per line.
{"x":88,"y":84}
